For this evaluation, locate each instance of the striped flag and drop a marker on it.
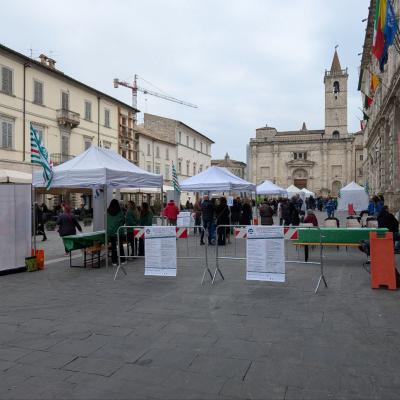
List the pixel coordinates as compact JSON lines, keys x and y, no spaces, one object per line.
{"x":175,"y":181}
{"x":40,"y":156}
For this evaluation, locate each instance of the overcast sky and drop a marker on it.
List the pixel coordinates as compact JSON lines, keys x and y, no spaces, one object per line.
{"x":244,"y":63}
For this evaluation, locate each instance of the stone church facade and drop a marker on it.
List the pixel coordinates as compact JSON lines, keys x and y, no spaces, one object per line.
{"x":322,"y":160}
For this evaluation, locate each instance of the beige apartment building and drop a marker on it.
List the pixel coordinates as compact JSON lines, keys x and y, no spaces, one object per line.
{"x":69,"y":115}
{"x":381,"y":134}
{"x":321,"y":160}
{"x":193,"y":149}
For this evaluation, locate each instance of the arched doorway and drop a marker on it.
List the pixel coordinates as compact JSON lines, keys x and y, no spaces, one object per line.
{"x":300,"y":177}
{"x":336,"y":185}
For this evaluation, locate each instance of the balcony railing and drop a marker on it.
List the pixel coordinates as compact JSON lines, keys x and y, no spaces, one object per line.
{"x":67,"y":118}
{"x":59,"y":158}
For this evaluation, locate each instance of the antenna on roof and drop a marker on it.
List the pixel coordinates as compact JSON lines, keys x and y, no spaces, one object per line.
{"x":336,"y":46}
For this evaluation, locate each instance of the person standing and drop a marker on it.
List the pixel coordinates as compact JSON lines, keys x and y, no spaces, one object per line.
{"x":266,"y":213}
{"x":197,"y":214}
{"x":207,"y":213}
{"x":132,"y":219}
{"x":223,"y":213}
{"x":39,"y":222}
{"x":247,"y":213}
{"x":146,"y":219}
{"x":115,"y":219}
{"x":330,"y":208}
{"x":67,"y":223}
{"x":236,"y":210}
{"x":171,"y":212}
{"x":294,"y":212}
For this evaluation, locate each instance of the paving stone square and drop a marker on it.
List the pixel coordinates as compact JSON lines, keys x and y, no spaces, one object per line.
{"x":76,"y":333}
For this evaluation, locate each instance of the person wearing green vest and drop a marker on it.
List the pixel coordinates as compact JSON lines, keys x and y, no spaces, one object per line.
{"x":132,"y":219}
{"x":115,"y":219}
{"x":146,"y":219}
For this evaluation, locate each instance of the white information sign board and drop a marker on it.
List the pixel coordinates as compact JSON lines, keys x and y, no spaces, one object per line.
{"x":160,"y":250}
{"x":265,"y":253}
{"x":184,"y":219}
{"x":230,"y":201}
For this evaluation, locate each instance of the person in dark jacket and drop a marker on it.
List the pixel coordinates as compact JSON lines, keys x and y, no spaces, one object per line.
{"x":132,"y":219}
{"x":388,"y":220}
{"x":115,"y":219}
{"x":247,"y":214}
{"x":266,"y":214}
{"x":222,"y":212}
{"x":236,"y":211}
{"x":207,"y":213}
{"x":285,"y":211}
{"x":294,"y":212}
{"x":67,"y":223}
{"x":146,"y":219}
{"x":39,"y":222}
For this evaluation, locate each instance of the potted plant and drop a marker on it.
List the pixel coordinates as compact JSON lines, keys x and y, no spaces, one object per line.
{"x":51,"y":225}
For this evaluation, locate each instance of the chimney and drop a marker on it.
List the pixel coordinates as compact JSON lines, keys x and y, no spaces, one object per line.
{"x":51,"y":63}
{"x":43,"y":59}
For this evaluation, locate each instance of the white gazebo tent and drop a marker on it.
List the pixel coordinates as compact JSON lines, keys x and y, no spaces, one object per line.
{"x":269,"y":188}
{"x":293,"y":190}
{"x":307,"y":193}
{"x":353,"y":194}
{"x":100,"y":168}
{"x":216,"y":179}
{"x":16,"y":218}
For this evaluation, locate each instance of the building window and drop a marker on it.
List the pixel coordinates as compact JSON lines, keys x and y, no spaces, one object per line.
{"x":87,"y":142}
{"x":64,"y":146}
{"x":106,"y":145}
{"x":187,"y":168}
{"x":201,"y":146}
{"x":7,"y":133}
{"x":38,"y":92}
{"x":335,"y":135}
{"x":6,"y":80}
{"x":166,"y":175}
{"x":157,"y":171}
{"x":148,"y":149}
{"x":300,"y":156}
{"x":88,"y":110}
{"x":194,"y":143}
{"x":194,"y":169}
{"x":200,"y":168}
{"x":157,"y":152}
{"x":180,"y":167}
{"x":107,"y":118}
{"x":167,"y":153}
{"x":148,"y":167}
{"x":361,"y":157}
{"x":180,"y":137}
{"x":360,"y":172}
{"x":39,"y":130}
{"x":187,"y":141}
{"x":123,"y":120}
{"x":65,"y":100}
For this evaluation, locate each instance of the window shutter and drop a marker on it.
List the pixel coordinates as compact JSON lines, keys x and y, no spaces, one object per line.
{"x":9,"y":135}
{"x":6,"y":80}
{"x":3,"y":134}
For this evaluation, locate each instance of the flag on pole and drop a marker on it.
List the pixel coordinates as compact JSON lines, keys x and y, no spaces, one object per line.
{"x":175,"y":181}
{"x":40,"y":156}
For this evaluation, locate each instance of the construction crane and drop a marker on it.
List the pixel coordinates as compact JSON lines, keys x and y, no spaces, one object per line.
{"x":135,"y":88}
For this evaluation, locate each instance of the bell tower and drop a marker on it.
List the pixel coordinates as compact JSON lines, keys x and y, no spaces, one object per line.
{"x":335,"y":81}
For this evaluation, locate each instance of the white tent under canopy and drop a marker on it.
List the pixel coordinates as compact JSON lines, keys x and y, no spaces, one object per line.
{"x":216,"y":179}
{"x":353,"y":194}
{"x":269,"y":188}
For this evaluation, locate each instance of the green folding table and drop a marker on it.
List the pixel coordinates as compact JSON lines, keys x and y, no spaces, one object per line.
{"x":348,"y":237}
{"x":83,"y":241}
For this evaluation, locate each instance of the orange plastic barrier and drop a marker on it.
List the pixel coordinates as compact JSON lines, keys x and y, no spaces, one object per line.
{"x":350,"y":209}
{"x":382,"y":261}
{"x":255,"y":221}
{"x":39,"y":258}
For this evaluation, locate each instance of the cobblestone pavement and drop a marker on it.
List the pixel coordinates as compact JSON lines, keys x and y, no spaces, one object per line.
{"x":78,"y":334}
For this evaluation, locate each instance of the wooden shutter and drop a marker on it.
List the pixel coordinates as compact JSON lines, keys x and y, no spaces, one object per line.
{"x":38,"y":92}
{"x":6,"y":80}
{"x":65,"y":101}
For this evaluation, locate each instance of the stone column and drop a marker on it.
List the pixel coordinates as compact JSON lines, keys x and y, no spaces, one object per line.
{"x":275,"y":162}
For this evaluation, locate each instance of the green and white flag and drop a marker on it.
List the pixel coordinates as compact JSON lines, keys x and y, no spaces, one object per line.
{"x":175,"y":181}
{"x":40,"y":156}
